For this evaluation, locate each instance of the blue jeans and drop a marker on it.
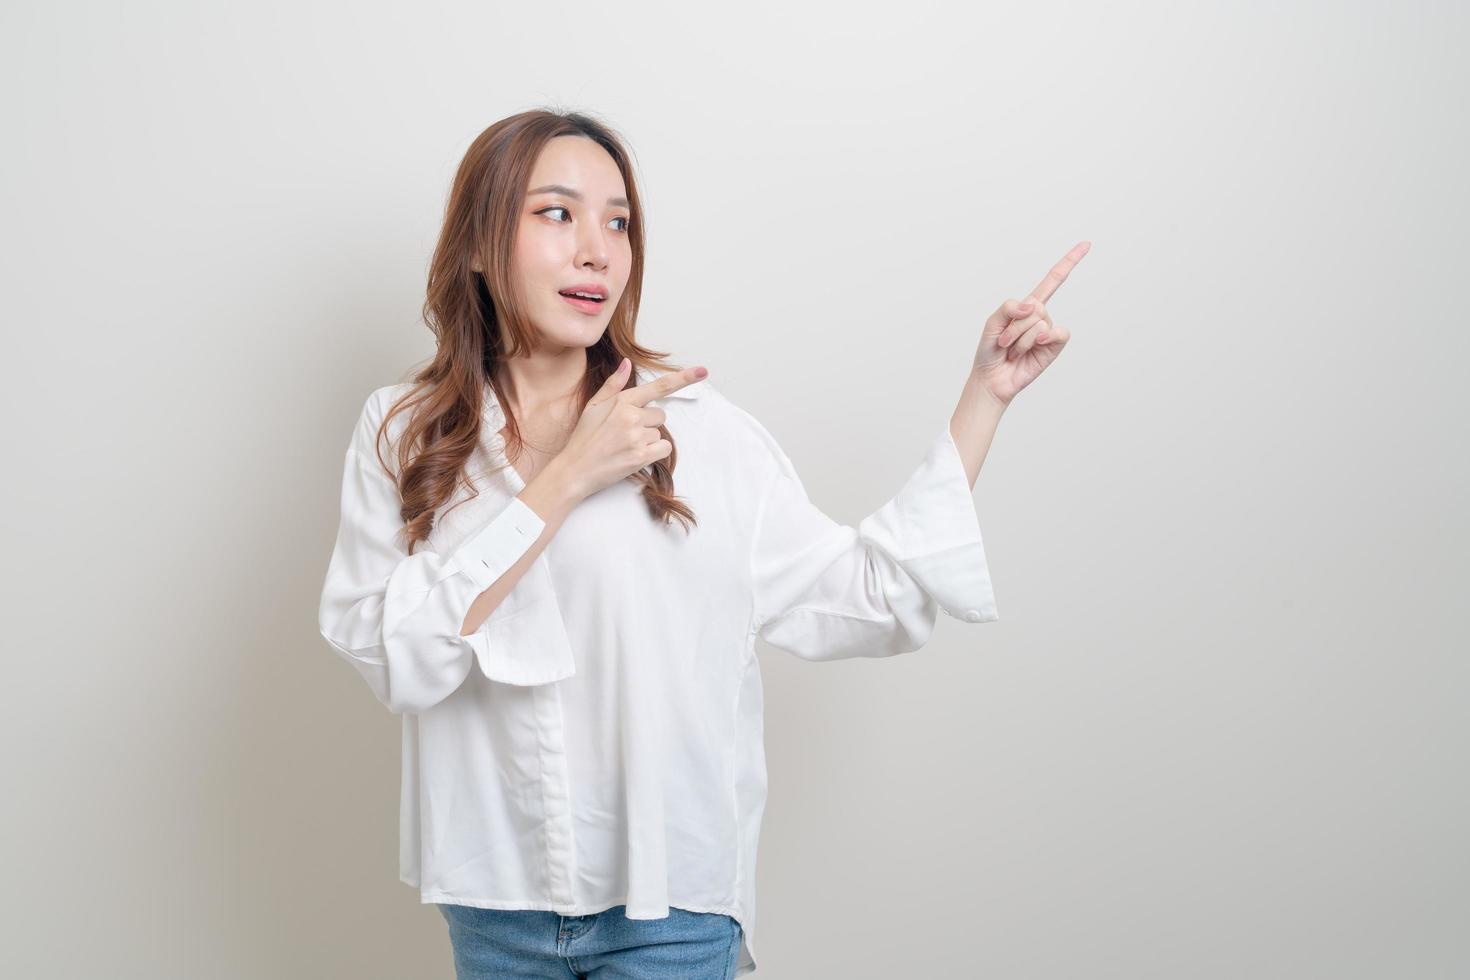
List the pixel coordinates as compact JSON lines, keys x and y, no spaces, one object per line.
{"x":529,"y":944}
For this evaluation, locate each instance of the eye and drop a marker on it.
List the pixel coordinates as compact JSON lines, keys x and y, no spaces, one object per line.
{"x":558,"y":207}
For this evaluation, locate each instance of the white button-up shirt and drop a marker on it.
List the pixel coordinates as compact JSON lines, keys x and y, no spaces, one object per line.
{"x":598,"y":740}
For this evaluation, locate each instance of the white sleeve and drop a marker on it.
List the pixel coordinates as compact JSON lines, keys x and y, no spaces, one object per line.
{"x":397,"y":617}
{"x":825,"y":591}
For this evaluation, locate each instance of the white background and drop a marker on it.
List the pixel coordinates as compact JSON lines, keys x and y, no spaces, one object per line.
{"x":1220,"y":729}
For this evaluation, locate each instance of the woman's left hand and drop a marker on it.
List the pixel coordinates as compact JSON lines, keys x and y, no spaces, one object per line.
{"x":1020,"y":340}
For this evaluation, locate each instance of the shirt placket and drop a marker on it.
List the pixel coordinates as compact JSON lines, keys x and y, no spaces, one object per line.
{"x":556,"y":796}
{"x":556,"y":799}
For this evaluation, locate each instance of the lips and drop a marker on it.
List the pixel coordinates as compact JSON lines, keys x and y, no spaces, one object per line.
{"x":587,"y":307}
{"x":595,"y":289}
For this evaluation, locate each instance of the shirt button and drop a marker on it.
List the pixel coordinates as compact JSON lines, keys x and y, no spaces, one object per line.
{"x":972,"y":615}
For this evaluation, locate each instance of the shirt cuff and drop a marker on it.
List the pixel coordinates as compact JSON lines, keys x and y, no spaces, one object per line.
{"x":523,"y":640}
{"x":932,"y":529}
{"x":500,"y":544}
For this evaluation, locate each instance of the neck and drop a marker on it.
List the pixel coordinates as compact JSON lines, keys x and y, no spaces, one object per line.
{"x":543,"y":384}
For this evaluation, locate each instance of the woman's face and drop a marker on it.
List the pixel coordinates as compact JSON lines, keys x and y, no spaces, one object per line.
{"x":572,"y":233}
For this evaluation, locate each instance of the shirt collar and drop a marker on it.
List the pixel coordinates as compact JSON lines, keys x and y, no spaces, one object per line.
{"x":494,"y":413}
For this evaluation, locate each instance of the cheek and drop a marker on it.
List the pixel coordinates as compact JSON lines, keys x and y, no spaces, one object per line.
{"x":535,"y":258}
{"x":621,"y":264}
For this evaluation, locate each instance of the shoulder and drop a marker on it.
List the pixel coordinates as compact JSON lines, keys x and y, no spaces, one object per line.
{"x":366,"y":438}
{"x":381,"y":400}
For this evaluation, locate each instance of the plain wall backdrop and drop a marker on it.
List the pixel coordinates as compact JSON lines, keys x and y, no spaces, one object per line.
{"x":1220,"y":729}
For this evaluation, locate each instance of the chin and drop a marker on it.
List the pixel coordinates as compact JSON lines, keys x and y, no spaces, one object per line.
{"x":584,"y":338}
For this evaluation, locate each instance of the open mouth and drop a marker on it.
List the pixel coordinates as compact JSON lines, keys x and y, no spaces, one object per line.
{"x":588,"y":304}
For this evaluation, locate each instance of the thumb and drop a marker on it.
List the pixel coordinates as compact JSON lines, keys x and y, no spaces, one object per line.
{"x":615,"y":381}
{"x":605,"y":395}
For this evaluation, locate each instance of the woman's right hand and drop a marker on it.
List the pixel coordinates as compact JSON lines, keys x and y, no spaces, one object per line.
{"x":617,"y":434}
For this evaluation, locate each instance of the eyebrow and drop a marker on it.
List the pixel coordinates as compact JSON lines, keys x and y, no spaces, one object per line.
{"x":621,"y":202}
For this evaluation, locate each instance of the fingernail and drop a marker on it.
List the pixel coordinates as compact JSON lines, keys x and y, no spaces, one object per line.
{"x":1024,"y":307}
{"x":700,"y":372}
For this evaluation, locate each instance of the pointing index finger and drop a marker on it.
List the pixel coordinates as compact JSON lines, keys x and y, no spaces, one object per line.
{"x":1059,"y":272}
{"x":665,"y":384}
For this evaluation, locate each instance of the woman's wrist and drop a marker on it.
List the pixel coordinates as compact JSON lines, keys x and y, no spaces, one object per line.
{"x":977,"y":392}
{"x":553,"y":492}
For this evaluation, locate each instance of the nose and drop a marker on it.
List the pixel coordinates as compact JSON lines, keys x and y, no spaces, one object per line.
{"x":592,"y":248}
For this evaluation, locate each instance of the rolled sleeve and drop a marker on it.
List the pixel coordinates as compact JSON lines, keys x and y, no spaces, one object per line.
{"x":824,"y":590}
{"x":932,"y":530}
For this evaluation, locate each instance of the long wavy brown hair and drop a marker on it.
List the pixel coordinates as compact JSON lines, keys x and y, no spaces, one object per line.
{"x":478,"y":322}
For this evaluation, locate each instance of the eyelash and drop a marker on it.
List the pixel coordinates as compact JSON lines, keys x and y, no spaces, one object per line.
{"x":558,"y":207}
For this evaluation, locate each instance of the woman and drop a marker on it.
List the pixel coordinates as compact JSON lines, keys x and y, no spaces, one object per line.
{"x":556,"y":552}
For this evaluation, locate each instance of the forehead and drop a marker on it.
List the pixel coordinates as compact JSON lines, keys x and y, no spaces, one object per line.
{"x":579,"y":163}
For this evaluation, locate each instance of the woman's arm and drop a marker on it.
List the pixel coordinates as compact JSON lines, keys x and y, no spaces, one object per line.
{"x":399,"y":618}
{"x":973,"y":425}
{"x":826,"y":591}
{"x":396,"y":616}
